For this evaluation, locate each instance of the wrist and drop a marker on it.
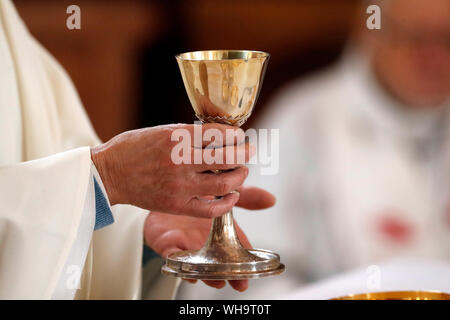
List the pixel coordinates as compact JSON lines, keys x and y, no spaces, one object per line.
{"x":99,"y":156}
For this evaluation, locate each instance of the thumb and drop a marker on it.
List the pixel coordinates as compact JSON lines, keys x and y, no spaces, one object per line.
{"x":170,"y":250}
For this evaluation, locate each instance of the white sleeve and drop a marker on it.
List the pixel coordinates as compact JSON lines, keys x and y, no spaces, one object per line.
{"x":45,"y":214}
{"x":69,"y":280}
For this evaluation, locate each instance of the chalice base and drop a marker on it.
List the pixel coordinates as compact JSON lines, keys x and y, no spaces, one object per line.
{"x":207,"y":264}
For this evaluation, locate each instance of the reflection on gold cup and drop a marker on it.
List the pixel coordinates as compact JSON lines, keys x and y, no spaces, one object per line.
{"x":223,"y":85}
{"x":398,"y":295}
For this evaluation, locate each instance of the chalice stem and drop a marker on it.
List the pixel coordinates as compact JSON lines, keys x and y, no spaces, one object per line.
{"x":223,"y":232}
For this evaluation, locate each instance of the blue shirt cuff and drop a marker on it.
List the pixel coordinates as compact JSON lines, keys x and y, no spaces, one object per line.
{"x":103,"y":214}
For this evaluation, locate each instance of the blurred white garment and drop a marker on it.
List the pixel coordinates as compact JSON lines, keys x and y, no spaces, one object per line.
{"x":400,"y":274}
{"x":361,"y":179}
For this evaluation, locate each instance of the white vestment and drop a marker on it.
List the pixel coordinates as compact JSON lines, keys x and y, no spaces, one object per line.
{"x":361,"y":180}
{"x":47,"y":206}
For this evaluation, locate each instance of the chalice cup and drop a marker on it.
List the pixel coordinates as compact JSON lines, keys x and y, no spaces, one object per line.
{"x":223,"y":86}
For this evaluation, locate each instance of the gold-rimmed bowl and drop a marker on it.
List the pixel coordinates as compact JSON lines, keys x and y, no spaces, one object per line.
{"x":223,"y":85}
{"x":397,"y":295}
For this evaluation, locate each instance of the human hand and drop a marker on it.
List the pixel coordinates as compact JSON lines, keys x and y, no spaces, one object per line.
{"x":166,"y":233}
{"x":136,"y":168}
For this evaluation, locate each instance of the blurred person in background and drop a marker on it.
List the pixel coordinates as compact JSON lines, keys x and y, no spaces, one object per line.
{"x":364,"y":154}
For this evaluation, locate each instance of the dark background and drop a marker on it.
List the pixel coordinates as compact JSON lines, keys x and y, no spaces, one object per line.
{"x":122,"y":60}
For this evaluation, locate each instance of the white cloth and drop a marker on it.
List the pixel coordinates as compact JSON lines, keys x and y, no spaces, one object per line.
{"x":361,"y":179}
{"x":45,"y":174}
{"x":402,"y":274}
{"x":70,"y":277}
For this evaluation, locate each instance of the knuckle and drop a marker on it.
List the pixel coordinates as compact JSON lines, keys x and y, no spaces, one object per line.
{"x":211,"y":212}
{"x":225,"y":186}
{"x":245,"y":172}
{"x":179,"y":208}
{"x":171,"y":236}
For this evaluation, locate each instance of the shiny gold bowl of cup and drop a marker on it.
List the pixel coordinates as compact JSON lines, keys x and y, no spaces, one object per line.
{"x":397,"y":295}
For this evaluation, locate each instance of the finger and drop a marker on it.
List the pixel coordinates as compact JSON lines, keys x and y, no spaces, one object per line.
{"x":218,"y":284}
{"x":215,"y":135}
{"x":167,"y":252}
{"x":242,"y":237}
{"x":202,"y":209}
{"x":239,"y":285}
{"x":219,"y":184}
{"x":221,"y":158}
{"x":190,"y":280}
{"x":254,"y":198}
{"x":197,"y":238}
{"x":218,"y":135}
{"x":224,"y":158}
{"x":170,"y":242}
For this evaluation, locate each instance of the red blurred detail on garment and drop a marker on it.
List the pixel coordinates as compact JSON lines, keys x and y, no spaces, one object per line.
{"x":396,"y":229}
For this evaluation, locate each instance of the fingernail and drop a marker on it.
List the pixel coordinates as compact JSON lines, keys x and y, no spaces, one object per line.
{"x":236,"y":196}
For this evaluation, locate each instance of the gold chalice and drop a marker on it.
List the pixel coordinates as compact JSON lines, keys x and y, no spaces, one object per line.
{"x":223,"y":86}
{"x":398,"y":295}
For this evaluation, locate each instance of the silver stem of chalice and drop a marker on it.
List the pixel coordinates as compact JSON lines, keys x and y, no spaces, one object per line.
{"x":223,"y":86}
